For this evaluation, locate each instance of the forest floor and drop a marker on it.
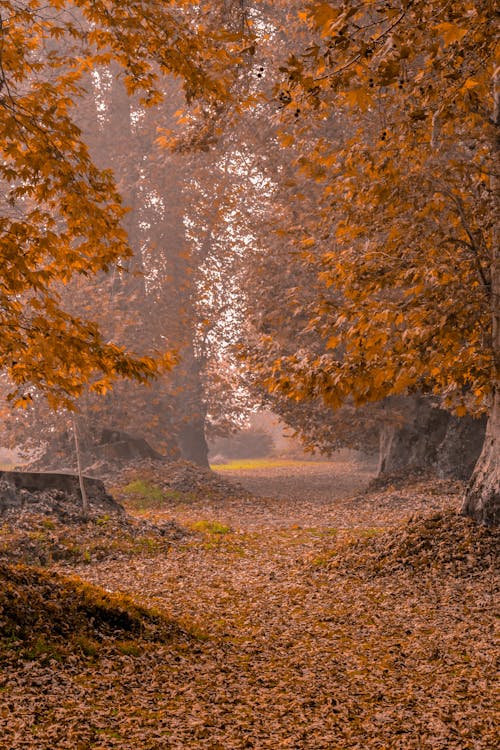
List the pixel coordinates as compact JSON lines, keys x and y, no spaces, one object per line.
{"x":312,"y":616}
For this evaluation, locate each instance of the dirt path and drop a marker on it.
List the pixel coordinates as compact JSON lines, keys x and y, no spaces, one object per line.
{"x":318,"y":481}
{"x":286,"y":646}
{"x":301,"y":493}
{"x":319,"y":496}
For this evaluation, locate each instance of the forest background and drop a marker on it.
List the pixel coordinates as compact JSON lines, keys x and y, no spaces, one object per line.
{"x":249,"y":203}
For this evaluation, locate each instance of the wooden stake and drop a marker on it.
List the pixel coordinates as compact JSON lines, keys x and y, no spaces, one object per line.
{"x":83,"y":491}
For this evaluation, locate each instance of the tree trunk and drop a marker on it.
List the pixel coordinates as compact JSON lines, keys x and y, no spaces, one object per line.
{"x":83,"y":491}
{"x":461,"y":447}
{"x":192,"y":442}
{"x":413,"y":447}
{"x":430,"y":440}
{"x":482,"y":499}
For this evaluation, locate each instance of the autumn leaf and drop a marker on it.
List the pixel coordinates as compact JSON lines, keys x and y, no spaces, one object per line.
{"x":450,"y":32}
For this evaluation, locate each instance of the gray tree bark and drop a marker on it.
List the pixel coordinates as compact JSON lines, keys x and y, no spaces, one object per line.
{"x":431,"y":440}
{"x":482,"y":498}
{"x":192,"y":442}
{"x":412,"y":447}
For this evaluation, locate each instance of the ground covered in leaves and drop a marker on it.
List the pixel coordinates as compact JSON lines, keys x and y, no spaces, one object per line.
{"x":328,"y":619}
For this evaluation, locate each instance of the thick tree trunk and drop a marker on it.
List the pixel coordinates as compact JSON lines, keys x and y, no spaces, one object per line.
{"x":431,"y":440}
{"x":413,"y":447}
{"x":191,"y":409}
{"x":482,"y":499}
{"x":192,"y":442}
{"x":457,"y":455}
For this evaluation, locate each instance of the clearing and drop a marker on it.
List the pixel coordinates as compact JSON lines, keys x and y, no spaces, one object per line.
{"x":312,"y":617}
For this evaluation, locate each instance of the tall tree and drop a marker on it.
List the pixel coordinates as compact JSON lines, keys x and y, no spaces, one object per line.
{"x":405,"y":230}
{"x":61,"y":216}
{"x":172,"y":292}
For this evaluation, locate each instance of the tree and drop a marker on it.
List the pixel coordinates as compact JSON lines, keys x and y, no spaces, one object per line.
{"x":405,"y":231}
{"x":181,"y":269}
{"x":155,"y":303}
{"x":61,"y":216}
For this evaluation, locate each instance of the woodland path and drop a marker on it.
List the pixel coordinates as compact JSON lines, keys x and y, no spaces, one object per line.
{"x":286,"y":646}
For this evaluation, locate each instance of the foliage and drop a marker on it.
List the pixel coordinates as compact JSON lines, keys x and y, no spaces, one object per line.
{"x":404,"y":231}
{"x":377,"y":635}
{"x":173,"y":293}
{"x":61,"y":215}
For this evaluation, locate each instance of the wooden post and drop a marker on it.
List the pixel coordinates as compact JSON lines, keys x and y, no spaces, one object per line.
{"x":83,"y":491}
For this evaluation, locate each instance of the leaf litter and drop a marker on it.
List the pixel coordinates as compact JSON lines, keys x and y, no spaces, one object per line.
{"x":364,"y":622}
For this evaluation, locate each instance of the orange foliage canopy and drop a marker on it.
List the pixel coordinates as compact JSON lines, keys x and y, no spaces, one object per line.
{"x":392,"y":110}
{"x":61,"y":216}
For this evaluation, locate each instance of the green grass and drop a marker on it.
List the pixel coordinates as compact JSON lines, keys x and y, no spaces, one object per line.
{"x":146,"y":489}
{"x":142,"y":496}
{"x":260,"y":463}
{"x":210,"y":527}
{"x":146,"y":493}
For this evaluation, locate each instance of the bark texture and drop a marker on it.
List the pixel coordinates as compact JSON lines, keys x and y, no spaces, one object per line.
{"x":461,"y":447}
{"x":192,"y":442}
{"x":412,"y":447}
{"x":431,"y":440}
{"x":482,"y":498}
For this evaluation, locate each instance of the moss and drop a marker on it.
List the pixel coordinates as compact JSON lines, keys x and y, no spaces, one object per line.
{"x":103,"y":520}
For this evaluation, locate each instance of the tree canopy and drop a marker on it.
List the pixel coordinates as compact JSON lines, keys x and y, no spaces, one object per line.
{"x":389,"y":112}
{"x":61,"y":215}
{"x":358,"y":228}
{"x":403,"y":232}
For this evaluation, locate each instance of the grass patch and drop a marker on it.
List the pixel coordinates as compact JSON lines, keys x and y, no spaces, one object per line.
{"x":210,"y":527}
{"x":88,"y":646}
{"x":128,"y":648}
{"x":143,"y":496}
{"x":260,"y":463}
{"x":147,"y":492}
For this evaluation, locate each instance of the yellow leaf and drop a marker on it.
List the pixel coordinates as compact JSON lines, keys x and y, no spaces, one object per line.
{"x":308,"y":242}
{"x":332,"y":342}
{"x":359,"y":98}
{"x":286,"y":140}
{"x":450,"y":32}
{"x":470,"y":83}
{"x":325,"y":15}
